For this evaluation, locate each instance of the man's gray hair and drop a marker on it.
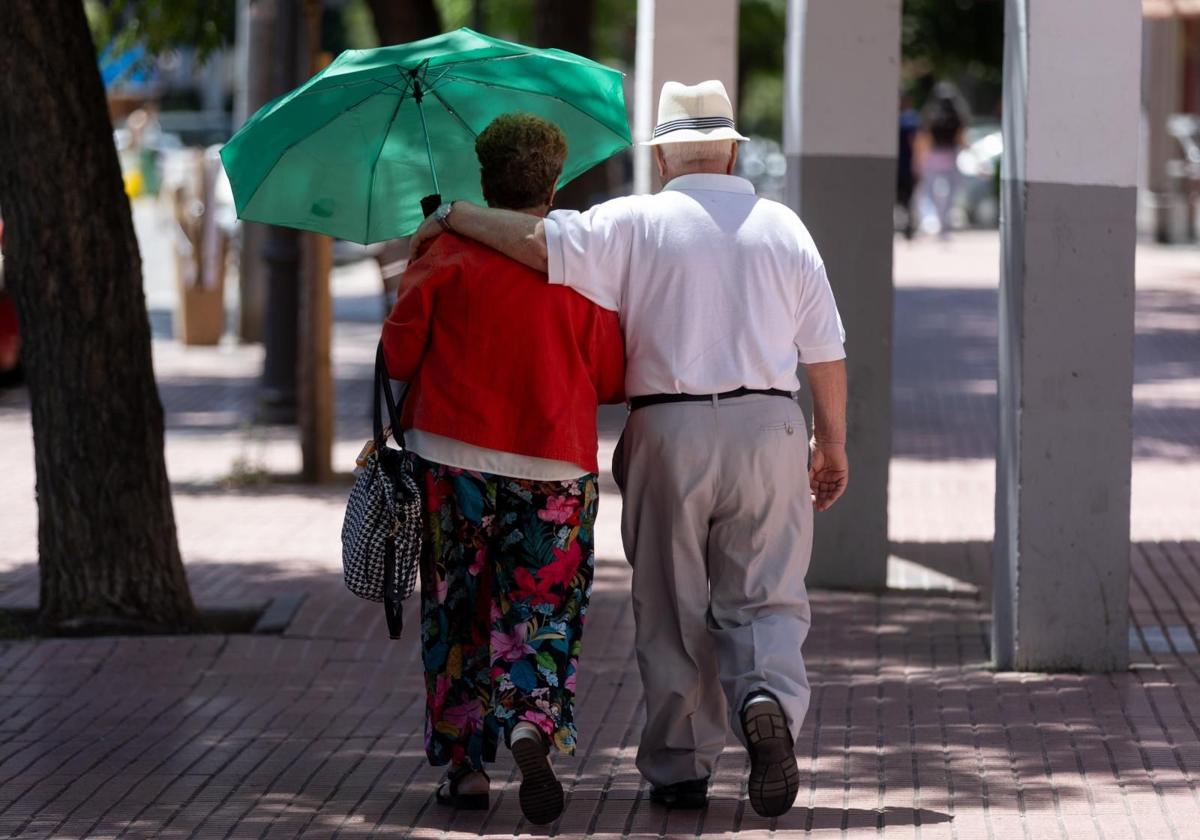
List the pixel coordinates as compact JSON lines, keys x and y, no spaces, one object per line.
{"x":685,"y":155}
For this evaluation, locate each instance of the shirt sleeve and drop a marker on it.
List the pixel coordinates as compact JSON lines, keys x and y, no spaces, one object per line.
{"x":406,"y":331}
{"x":820,"y":336}
{"x":590,"y":251}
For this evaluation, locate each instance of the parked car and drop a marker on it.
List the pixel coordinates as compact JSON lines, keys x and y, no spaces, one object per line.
{"x":10,"y":335}
{"x":979,"y":165}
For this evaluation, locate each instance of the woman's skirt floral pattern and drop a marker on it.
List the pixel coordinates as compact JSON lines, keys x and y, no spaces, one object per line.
{"x":505,"y":584}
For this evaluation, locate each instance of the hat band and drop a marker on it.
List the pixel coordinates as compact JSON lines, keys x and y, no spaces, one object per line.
{"x":700,"y":123}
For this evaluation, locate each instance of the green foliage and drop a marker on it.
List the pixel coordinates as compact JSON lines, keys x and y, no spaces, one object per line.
{"x":949,"y":38}
{"x":760,"y":108}
{"x":761,"y":28}
{"x":360,"y":26}
{"x":160,"y":26}
{"x":613,"y":33}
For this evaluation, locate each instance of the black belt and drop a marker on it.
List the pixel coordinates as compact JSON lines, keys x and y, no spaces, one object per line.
{"x":658,"y":399}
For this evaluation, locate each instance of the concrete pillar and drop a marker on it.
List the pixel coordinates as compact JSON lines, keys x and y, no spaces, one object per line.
{"x":685,"y":41}
{"x":841,"y":90}
{"x":1069,"y":203}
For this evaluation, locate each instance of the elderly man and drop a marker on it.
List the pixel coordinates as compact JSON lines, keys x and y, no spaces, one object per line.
{"x":721,"y":294}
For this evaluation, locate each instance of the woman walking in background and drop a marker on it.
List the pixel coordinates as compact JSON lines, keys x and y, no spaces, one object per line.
{"x":505,"y":377}
{"x":944,"y":120}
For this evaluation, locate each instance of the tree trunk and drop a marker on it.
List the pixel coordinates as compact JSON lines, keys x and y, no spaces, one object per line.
{"x":399,"y":21}
{"x":569,"y":26}
{"x":107,"y":552}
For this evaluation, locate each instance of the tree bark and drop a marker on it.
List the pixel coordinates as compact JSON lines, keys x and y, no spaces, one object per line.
{"x":107,"y":551}
{"x":567,"y":26}
{"x":399,"y":21}
{"x":570,"y":26}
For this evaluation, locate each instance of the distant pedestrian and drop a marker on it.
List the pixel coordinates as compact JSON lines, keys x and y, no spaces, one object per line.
{"x":943,"y":123}
{"x":505,"y":377}
{"x":906,"y":174}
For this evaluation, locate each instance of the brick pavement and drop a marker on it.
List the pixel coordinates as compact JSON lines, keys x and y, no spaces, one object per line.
{"x":315,"y":732}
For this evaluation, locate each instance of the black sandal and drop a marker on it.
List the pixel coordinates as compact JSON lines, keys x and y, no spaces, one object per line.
{"x":541,"y":793}
{"x":447,"y":791}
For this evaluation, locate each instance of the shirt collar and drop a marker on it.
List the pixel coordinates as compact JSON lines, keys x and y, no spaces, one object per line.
{"x":709,"y":181}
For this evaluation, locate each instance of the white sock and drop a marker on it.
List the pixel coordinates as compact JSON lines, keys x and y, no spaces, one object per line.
{"x":760,"y":698}
{"x":525,"y":729}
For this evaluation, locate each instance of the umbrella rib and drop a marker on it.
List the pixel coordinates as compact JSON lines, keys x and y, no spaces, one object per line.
{"x":453,"y":113}
{"x":488,"y":58}
{"x":376,"y":81}
{"x":566,"y":102}
{"x":375,"y":162}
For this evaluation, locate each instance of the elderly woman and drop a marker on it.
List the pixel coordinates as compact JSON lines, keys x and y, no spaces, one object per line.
{"x":505,"y":377}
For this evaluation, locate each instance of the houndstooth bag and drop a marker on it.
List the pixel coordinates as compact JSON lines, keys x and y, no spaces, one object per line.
{"x":382,"y":531}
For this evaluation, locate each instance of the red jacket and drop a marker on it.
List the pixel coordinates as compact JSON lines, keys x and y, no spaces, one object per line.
{"x":498,"y":358}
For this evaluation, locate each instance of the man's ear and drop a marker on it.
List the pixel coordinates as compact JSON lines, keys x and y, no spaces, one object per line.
{"x":661,"y":161}
{"x":553,"y":193}
{"x":732,"y":159}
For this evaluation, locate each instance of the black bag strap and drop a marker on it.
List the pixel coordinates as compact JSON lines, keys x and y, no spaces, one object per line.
{"x":383,"y":386}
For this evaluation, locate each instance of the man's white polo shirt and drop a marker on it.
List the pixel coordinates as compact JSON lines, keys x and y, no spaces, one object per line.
{"x":717,"y":289}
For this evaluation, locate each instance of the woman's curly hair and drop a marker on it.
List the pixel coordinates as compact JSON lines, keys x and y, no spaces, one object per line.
{"x":520,"y":159}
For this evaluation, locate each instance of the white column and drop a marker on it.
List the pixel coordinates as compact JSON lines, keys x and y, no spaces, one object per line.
{"x":685,"y":41}
{"x":841,"y":89}
{"x":1071,"y":100}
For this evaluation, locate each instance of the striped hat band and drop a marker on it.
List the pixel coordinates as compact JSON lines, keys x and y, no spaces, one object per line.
{"x":696,"y":123}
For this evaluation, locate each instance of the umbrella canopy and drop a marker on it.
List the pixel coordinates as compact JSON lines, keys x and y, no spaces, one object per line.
{"x":351,"y":152}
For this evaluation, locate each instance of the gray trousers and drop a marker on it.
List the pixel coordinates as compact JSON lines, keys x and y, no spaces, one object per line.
{"x":717,"y":524}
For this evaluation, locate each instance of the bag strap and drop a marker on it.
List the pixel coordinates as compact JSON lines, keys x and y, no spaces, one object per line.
{"x":383,"y":386}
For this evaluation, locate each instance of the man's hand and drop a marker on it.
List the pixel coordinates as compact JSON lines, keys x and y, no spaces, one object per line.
{"x":518,"y":235}
{"x":426,"y":233}
{"x":829,"y":473}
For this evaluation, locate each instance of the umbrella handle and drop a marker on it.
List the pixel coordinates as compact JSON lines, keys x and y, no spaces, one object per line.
{"x":430,"y":203}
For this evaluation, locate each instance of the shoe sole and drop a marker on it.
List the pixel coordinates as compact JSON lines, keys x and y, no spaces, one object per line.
{"x":774,"y":774}
{"x":541,"y":793}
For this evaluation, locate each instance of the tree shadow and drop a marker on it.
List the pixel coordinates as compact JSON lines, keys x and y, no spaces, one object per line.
{"x":945,"y":368}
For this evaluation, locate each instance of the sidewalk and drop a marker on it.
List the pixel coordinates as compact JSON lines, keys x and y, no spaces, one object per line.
{"x":316,"y":732}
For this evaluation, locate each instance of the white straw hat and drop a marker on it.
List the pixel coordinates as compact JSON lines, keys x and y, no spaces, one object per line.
{"x":691,"y":113}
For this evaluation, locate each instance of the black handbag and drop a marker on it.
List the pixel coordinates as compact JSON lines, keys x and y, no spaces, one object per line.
{"x":383,"y":529}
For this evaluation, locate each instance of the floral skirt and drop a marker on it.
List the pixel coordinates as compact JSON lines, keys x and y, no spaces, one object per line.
{"x":505,"y":584}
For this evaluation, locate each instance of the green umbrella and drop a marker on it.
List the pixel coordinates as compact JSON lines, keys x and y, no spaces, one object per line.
{"x":351,"y":152}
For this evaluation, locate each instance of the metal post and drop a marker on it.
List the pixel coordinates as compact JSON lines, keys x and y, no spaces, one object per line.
{"x":256,"y":23}
{"x":277,"y":400}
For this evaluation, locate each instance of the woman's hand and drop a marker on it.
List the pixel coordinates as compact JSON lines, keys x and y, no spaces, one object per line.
{"x":429,"y":230}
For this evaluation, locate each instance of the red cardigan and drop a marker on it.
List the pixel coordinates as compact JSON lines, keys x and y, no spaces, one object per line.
{"x":498,"y":358}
